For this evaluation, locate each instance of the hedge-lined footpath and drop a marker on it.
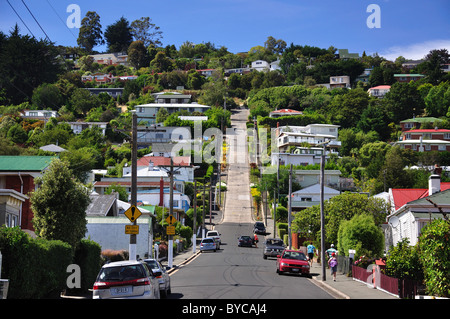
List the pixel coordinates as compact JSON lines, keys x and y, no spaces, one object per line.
{"x":37,"y":268}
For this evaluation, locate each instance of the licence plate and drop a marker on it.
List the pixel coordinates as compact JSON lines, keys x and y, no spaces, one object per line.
{"x":295,"y":269}
{"x":121,"y":290}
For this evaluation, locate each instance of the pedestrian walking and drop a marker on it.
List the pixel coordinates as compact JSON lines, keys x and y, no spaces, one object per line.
{"x":331,"y":250}
{"x":311,"y":249}
{"x":333,"y":263}
{"x":255,"y":240}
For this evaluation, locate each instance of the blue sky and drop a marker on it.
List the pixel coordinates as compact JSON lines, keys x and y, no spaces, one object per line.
{"x":408,"y":28}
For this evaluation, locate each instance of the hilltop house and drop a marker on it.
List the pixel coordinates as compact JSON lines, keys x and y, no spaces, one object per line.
{"x":310,"y":196}
{"x":148,"y":111}
{"x":417,"y":122}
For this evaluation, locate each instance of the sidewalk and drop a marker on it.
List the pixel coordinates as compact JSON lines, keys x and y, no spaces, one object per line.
{"x":345,"y":287}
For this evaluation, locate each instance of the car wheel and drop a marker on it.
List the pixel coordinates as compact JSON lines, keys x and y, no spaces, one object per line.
{"x":264,"y":256}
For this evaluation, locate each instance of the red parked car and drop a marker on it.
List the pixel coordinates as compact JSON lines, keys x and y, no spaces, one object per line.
{"x":292,"y":261}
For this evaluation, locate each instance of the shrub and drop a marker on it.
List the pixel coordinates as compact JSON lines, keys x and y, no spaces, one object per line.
{"x":88,"y":257}
{"x":36,"y":268}
{"x":360,"y":233}
{"x":434,"y":247}
{"x":403,"y":262}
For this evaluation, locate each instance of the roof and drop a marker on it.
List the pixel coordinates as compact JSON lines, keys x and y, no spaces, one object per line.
{"x":403,"y":196}
{"x":164,"y":161}
{"x":421,"y":120}
{"x":24,"y":163}
{"x":315,"y":189}
{"x":430,"y":130}
{"x":408,"y":75}
{"x":287,"y":111}
{"x":128,"y":184}
{"x":101,"y":205}
{"x":381,"y":87}
{"x":52,"y":148}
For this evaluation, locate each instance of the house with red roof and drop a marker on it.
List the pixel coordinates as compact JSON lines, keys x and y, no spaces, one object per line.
{"x":424,"y":140}
{"x":284,"y":112}
{"x":379,"y":91}
{"x":412,"y":209}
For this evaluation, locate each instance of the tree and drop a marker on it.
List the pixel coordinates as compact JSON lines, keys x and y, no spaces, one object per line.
{"x":162,"y":115}
{"x":274,"y":45}
{"x":47,"y":97}
{"x":144,"y":30}
{"x":403,"y":261}
{"x":82,"y":101}
{"x":114,"y":187}
{"x":403,"y":101}
{"x":437,"y":100}
{"x":59,"y":205}
{"x":161,"y":63}
{"x":362,"y":234}
{"x":90,"y":33}
{"x":138,"y":55}
{"x":118,"y":36}
{"x":434,"y":246}
{"x":25,"y":63}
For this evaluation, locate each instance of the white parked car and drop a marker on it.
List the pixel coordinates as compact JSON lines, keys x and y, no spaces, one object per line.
{"x":216,"y":236}
{"x":163,"y":277}
{"x":126,"y":279}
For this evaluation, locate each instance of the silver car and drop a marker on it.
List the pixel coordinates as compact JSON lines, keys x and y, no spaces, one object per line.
{"x":126,"y":279}
{"x":163,"y":277}
{"x":208,"y":243}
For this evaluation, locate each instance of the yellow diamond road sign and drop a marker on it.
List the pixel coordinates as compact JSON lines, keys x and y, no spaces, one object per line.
{"x":170,"y":219}
{"x":133,"y":213}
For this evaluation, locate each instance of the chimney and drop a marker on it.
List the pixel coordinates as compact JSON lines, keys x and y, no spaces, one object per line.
{"x":150,"y":165}
{"x":434,"y":184}
{"x":161,"y":192}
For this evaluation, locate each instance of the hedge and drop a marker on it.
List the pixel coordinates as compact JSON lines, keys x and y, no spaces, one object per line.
{"x":36,"y":268}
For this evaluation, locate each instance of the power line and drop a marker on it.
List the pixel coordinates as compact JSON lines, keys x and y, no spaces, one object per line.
{"x":61,"y":19}
{"x":20,"y":18}
{"x":36,"y":20}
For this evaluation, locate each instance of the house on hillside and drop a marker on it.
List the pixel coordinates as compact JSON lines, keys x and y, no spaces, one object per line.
{"x":44,"y":115}
{"x":424,"y":140}
{"x":379,"y":91}
{"x":284,"y":112}
{"x":17,"y":174}
{"x":406,"y":78}
{"x":413,"y":209}
{"x":418,"y":122}
{"x":148,"y":112}
{"x":310,"y":196}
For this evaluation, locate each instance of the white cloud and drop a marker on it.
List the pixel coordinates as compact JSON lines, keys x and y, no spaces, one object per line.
{"x":415,"y":51}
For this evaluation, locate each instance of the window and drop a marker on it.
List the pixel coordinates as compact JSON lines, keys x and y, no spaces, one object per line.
{"x":442,"y":147}
{"x":11,"y":220}
{"x":306,"y":199}
{"x":447,"y":136}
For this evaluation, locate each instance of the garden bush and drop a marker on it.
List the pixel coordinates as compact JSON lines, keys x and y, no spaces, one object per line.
{"x":360,"y":233}
{"x":88,"y":257}
{"x":36,"y":268}
{"x":434,"y":247}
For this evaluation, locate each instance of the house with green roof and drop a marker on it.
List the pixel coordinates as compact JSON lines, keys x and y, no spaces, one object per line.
{"x":17,"y":174}
{"x":418,"y":122}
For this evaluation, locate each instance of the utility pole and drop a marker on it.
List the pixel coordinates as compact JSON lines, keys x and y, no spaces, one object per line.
{"x":322,"y":213}
{"x":170,"y":252}
{"x":194,"y":236}
{"x":132,"y":246}
{"x":290,"y":208}
{"x":203,"y":210}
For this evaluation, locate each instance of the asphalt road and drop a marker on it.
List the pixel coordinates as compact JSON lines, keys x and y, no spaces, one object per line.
{"x":238,"y":272}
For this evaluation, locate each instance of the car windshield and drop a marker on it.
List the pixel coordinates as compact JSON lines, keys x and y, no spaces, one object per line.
{"x":245,"y":238}
{"x":121,"y":273}
{"x":274,"y":242}
{"x":213,"y":233}
{"x":208,"y":240}
{"x":294,"y":255}
{"x":259,"y":225}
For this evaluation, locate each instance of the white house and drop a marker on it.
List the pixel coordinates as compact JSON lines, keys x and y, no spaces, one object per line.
{"x":310,"y":196}
{"x":181,"y":202}
{"x":408,"y":220}
{"x":78,"y":127}
{"x":149,"y":111}
{"x":261,"y":66}
{"x":39,"y":114}
{"x":379,"y":91}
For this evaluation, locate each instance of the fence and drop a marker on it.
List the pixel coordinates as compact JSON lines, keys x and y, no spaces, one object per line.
{"x":402,"y":288}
